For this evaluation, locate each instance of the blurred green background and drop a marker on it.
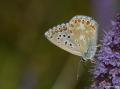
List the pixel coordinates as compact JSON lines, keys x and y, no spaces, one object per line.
{"x":27,"y":59}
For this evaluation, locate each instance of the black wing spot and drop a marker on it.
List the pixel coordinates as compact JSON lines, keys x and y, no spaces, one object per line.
{"x":68,"y":36}
{"x":64,"y":35}
{"x":70,"y":44}
{"x":65,"y":42}
{"x":59,"y":35}
{"x":58,"y":38}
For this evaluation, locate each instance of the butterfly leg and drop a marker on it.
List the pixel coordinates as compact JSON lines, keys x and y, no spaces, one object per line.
{"x":78,"y":70}
{"x":78,"y":67}
{"x":98,"y":46}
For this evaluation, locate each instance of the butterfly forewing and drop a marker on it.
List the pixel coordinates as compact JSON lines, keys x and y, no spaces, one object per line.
{"x":60,"y":36}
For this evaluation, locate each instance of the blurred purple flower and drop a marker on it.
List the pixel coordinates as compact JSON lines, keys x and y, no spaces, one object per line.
{"x":104,"y":11}
{"x":107,"y":70}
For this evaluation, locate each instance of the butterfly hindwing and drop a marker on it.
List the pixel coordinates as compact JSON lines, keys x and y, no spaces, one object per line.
{"x":84,"y":30}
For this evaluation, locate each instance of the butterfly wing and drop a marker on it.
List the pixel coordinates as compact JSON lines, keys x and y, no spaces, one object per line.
{"x":84,"y":30}
{"x":60,"y":36}
{"x":78,"y":37}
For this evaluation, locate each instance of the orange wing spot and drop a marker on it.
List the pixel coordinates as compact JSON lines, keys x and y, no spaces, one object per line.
{"x":79,"y":20}
{"x":82,"y":21}
{"x":75,"y":21}
{"x":93,"y":27}
{"x":70,"y":31}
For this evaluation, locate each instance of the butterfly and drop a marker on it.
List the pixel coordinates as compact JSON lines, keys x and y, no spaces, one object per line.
{"x":78,"y":36}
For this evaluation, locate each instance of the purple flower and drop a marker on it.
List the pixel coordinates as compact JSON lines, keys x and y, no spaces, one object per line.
{"x":107,"y":69}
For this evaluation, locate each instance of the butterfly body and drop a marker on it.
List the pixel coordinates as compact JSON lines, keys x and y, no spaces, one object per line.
{"x":78,"y":36}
